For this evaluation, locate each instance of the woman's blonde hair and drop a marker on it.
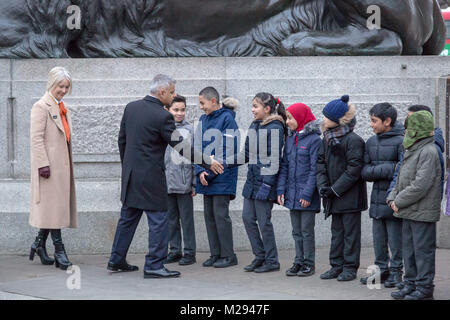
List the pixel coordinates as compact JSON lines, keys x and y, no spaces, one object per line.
{"x":56,"y":75}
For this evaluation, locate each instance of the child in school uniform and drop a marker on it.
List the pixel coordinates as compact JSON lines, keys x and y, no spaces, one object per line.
{"x":180,"y":185}
{"x":339,"y":164}
{"x":416,"y":198}
{"x":260,"y":187}
{"x":383,"y":152}
{"x":297,"y":188}
{"x":217,"y":190}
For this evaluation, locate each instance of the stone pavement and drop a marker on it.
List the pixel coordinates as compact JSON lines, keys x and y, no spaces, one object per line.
{"x":22,"y":279}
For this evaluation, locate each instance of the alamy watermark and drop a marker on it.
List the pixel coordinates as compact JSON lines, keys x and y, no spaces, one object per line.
{"x":74,"y":19}
{"x":74,"y":281}
{"x":374,"y":20}
{"x":374,"y":278}
{"x":263,"y":147}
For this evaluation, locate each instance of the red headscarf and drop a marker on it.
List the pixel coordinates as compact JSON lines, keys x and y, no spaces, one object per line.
{"x":302,"y":114}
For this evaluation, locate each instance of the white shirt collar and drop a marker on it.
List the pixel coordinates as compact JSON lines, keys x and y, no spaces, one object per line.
{"x":57,"y":102}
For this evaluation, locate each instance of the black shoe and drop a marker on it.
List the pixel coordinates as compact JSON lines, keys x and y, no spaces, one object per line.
{"x":306,"y":271}
{"x":292,"y":271}
{"x":226,"y":262}
{"x":210,"y":261}
{"x":395,"y":277}
{"x":121,"y":267}
{"x":255,"y":264}
{"x":384,"y":275}
{"x":347,"y":276}
{"x":38,"y":247}
{"x":187,"y":260}
{"x":161,"y":273}
{"x":401,"y":294}
{"x":400,"y":285}
{"x":268,"y":267}
{"x":331,"y":274}
{"x":61,"y":259}
{"x":420,"y":294}
{"x":173,"y":257}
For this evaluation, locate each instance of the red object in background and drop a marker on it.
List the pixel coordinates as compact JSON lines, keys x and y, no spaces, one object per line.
{"x":446,"y":16}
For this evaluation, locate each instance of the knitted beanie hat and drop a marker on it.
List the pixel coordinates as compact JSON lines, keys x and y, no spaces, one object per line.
{"x":336,"y":109}
{"x":419,"y":125}
{"x":302,"y":114}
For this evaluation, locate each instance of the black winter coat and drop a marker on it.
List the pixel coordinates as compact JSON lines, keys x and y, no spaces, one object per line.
{"x":145,"y":131}
{"x":340,"y":167}
{"x":383,"y":152}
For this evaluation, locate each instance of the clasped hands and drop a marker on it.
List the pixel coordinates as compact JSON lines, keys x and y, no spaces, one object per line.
{"x":216,"y":167}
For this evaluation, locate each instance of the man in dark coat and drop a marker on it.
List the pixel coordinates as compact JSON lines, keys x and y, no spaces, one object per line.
{"x":339,"y":164}
{"x":145,"y":131}
{"x":383,"y":152}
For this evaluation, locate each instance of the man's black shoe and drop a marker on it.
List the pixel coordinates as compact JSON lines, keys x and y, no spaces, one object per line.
{"x":161,"y":273}
{"x":268,"y":267}
{"x":292,"y":271}
{"x":173,"y":257}
{"x":187,"y":260}
{"x":347,"y":276}
{"x":306,"y":271}
{"x":331,"y":274}
{"x":226,"y":262}
{"x":395,"y":277}
{"x":255,"y":264}
{"x":401,"y":294}
{"x":121,"y":267}
{"x":210,"y":261}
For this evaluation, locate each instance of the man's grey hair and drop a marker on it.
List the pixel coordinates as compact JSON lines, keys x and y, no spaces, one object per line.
{"x":159,"y":82}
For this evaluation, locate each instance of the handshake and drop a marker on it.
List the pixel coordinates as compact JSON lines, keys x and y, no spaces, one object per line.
{"x":327,"y":193}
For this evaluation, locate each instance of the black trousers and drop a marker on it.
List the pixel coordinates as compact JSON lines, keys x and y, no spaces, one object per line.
{"x":387,"y":234}
{"x":158,"y":236}
{"x":303,"y":223}
{"x":256,"y":215}
{"x":218,"y":225}
{"x":345,"y":241}
{"x":419,"y":250}
{"x":181,"y":209}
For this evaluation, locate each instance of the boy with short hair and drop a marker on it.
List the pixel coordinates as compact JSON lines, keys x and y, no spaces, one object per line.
{"x":181,"y":188}
{"x":382,"y":153}
{"x":217,"y":190}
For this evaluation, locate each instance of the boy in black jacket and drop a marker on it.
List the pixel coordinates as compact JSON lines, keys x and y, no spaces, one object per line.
{"x":339,"y":164}
{"x":383,"y":152}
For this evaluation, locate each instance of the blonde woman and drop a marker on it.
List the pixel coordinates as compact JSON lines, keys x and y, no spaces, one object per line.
{"x":53,"y":204}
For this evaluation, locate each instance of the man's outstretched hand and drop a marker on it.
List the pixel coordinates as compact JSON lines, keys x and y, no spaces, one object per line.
{"x":216,"y":166}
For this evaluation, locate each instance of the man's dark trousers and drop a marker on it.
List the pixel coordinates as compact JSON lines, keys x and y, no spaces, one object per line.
{"x":388,"y":232}
{"x":157,"y":241}
{"x":181,"y":207}
{"x":345,"y":247}
{"x":419,"y":252}
{"x":218,"y":225}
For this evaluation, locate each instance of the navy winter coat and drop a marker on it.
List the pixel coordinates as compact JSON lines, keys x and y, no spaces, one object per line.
{"x":221,"y":120}
{"x":254,"y":177}
{"x":383,"y":152}
{"x":297,"y":178}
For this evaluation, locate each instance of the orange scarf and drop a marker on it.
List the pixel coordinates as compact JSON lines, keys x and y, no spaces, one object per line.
{"x":63,"y":112}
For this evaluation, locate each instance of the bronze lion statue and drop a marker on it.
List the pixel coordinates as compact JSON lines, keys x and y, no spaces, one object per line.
{"x":185,"y":28}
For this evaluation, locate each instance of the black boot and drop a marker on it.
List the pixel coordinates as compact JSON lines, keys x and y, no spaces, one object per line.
{"x":38,"y":247}
{"x":61,"y":260}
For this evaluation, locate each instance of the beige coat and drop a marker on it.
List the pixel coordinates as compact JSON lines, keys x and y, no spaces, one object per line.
{"x":53,"y":203}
